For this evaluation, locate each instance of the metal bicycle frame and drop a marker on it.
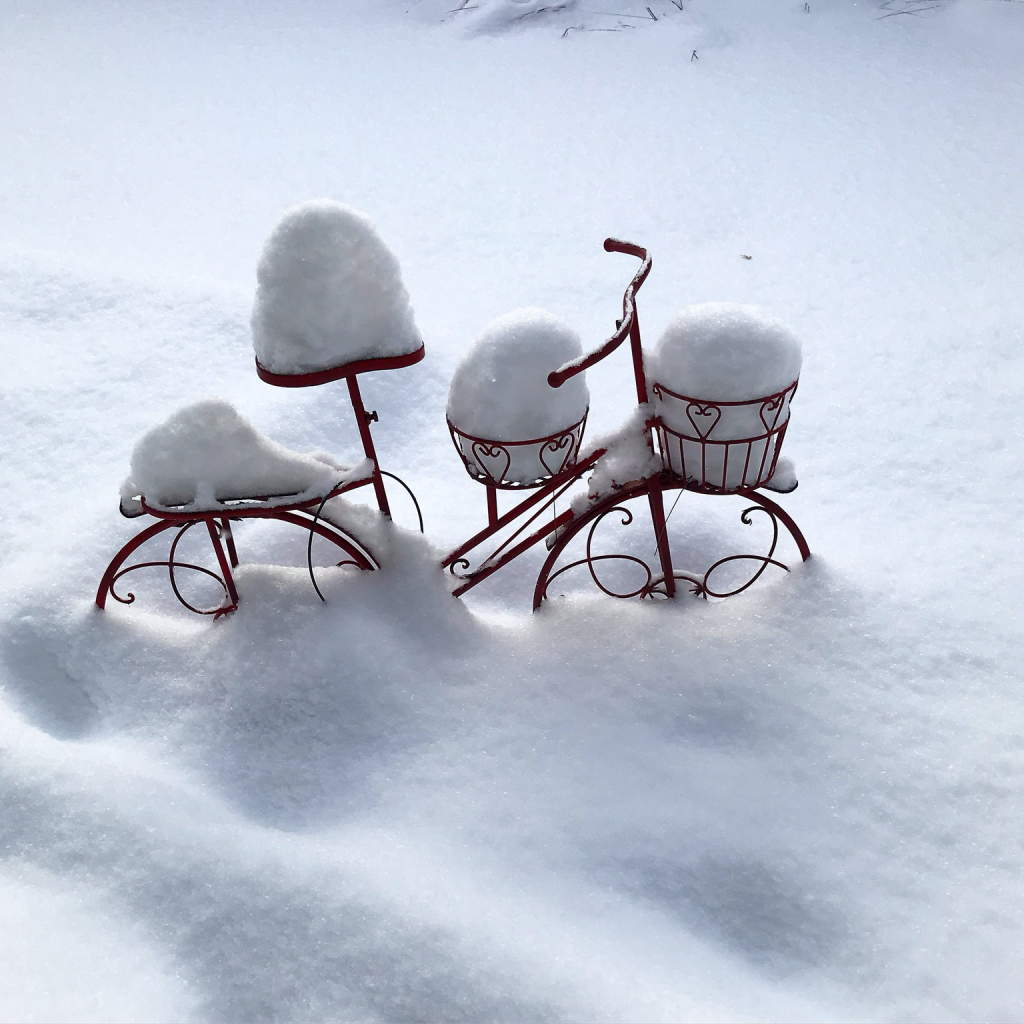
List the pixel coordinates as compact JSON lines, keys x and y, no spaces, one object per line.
{"x":565,"y":469}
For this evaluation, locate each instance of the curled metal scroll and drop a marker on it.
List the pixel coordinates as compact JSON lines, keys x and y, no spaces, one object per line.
{"x":591,"y":559}
{"x":654,"y":586}
{"x":458,"y":569}
{"x":356,"y":555}
{"x":172,"y":565}
{"x":701,"y":586}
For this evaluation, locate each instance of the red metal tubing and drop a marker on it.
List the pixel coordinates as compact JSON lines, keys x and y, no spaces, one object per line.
{"x":515,"y":552}
{"x":492,"y":504}
{"x":784,"y":517}
{"x":657,"y":506}
{"x":650,"y":487}
{"x":558,"y":377}
{"x":250,"y":511}
{"x":363,"y":423}
{"x":222,"y":561}
{"x":119,"y":559}
{"x":309,"y":380}
{"x":363,"y":557}
{"x":577,"y":471}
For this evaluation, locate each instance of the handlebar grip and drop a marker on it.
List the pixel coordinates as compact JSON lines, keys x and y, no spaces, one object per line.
{"x":627,"y":248}
{"x":558,"y":377}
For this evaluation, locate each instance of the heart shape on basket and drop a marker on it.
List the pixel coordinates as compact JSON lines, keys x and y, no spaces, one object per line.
{"x":708,"y":415}
{"x":769,"y":406}
{"x":567,"y":444}
{"x":491,"y":458}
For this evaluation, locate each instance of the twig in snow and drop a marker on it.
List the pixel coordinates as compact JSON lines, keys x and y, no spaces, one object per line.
{"x":586,"y":28}
{"x":638,"y":17}
{"x":541,"y":10}
{"x":916,"y":13}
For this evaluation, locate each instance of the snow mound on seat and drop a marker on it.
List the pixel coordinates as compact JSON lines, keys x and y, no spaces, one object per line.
{"x":208,"y":452}
{"x":724,"y":352}
{"x":329,"y":292}
{"x":500,"y":390}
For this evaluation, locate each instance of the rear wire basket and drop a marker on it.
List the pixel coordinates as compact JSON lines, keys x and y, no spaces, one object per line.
{"x":721,"y":447}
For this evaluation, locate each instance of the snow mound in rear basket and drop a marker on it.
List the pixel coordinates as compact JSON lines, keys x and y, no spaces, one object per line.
{"x":500,"y":390}
{"x":723,"y":352}
{"x":329,"y":292}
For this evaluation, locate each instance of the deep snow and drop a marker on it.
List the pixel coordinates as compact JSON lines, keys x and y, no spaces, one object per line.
{"x":800,"y":803}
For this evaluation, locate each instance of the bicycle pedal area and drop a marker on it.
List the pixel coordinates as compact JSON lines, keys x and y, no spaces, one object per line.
{"x":712,"y":408}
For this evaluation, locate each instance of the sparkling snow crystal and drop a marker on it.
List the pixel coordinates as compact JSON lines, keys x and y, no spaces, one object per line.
{"x":722,"y":352}
{"x":329,"y":292}
{"x":208,"y":452}
{"x":500,"y":390}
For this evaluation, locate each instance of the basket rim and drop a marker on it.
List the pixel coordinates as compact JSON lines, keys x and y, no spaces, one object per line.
{"x":314,"y":378}
{"x":661,"y":390}
{"x":534,"y":440}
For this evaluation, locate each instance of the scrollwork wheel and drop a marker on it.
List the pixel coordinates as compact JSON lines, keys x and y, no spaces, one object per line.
{"x":656,"y":584}
{"x":590,"y":520}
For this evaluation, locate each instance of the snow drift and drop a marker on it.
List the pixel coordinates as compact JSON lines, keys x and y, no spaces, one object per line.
{"x":804,"y":802}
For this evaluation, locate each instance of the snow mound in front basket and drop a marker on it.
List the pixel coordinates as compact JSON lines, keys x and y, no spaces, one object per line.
{"x":329,"y":292}
{"x":208,"y":452}
{"x":500,"y":390}
{"x":724,"y":352}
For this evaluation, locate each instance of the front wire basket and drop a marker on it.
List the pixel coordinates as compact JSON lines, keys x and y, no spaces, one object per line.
{"x":517,"y":465}
{"x":721,"y":447}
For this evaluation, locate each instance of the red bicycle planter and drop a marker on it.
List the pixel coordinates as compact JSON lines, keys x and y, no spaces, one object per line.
{"x":690,"y":444}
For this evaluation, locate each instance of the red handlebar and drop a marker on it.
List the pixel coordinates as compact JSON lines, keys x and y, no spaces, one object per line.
{"x":617,"y":245}
{"x":558,"y":377}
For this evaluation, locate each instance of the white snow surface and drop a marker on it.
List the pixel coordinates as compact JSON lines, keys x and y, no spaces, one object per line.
{"x":329,"y":292}
{"x":720,"y":351}
{"x":207,"y":452}
{"x":500,"y":388}
{"x":800,"y":803}
{"x":629,"y":457}
{"x":784,"y":478}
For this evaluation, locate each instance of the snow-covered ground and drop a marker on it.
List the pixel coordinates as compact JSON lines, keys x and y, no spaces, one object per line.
{"x":802,"y":803}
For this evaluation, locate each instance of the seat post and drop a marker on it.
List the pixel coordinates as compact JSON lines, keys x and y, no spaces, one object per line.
{"x":363,"y":421}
